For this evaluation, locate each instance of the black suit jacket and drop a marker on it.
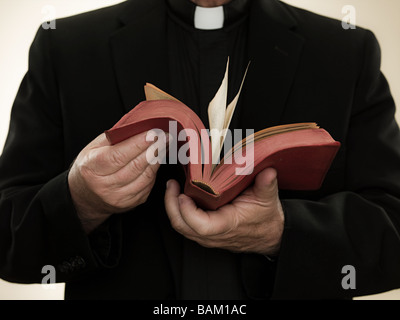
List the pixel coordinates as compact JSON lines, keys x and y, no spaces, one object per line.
{"x":87,"y":73}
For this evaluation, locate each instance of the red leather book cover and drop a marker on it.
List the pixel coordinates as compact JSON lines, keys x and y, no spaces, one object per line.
{"x":301,"y":157}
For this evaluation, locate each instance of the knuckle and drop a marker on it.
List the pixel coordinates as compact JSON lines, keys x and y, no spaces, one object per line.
{"x":177,"y":225}
{"x":202,"y":230}
{"x":83,"y":166}
{"x":87,"y":171}
{"x":137,"y":166}
{"x":84,"y":170}
{"x":148,"y":173}
{"x":103,"y":192}
{"x":116,"y":157}
{"x":87,"y":177}
{"x":96,"y":157}
{"x":143,"y":199}
{"x":91,"y":163}
{"x":141,"y":147}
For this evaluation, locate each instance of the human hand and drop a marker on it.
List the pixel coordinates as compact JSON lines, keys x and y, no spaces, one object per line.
{"x":107,"y":179}
{"x":253,"y":222}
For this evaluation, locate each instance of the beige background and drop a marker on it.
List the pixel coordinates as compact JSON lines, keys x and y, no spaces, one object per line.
{"x":20,"y":19}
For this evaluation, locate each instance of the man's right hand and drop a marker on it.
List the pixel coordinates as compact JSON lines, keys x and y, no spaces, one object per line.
{"x":106,"y":179}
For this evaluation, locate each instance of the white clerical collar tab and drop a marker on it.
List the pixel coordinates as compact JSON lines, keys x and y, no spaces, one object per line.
{"x":209,"y":18}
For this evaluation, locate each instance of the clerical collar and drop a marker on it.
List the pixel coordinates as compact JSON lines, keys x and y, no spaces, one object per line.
{"x":209,"y":18}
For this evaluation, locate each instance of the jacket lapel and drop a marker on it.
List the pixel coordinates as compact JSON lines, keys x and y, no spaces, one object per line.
{"x":139,"y":50}
{"x":274,"y":51}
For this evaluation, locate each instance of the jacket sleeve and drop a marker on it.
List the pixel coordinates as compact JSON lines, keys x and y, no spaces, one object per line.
{"x":38,"y":222}
{"x":360,"y":225}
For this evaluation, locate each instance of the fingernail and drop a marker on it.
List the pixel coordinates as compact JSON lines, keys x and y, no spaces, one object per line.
{"x":168,"y":183}
{"x":150,"y":136}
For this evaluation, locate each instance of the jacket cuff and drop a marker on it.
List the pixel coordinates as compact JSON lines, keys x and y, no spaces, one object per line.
{"x":105,"y":242}
{"x":72,"y":252}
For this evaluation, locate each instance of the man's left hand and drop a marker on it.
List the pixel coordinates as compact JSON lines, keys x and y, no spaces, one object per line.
{"x":253,"y":222}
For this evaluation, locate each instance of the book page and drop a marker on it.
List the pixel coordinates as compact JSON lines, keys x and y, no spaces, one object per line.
{"x":216,"y":117}
{"x":220,"y":115}
{"x":231,"y":108}
{"x":154,"y":93}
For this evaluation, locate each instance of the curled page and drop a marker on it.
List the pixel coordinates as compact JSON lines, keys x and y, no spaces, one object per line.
{"x":216,"y":116}
{"x":220,"y":115}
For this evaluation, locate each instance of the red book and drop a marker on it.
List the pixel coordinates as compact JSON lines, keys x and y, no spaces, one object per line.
{"x":301,"y":153}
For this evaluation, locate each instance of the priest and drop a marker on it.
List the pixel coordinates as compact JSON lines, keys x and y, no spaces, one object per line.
{"x":115,"y":226}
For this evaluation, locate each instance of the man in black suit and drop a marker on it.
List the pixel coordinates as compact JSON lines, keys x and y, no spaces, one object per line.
{"x":102,"y":215}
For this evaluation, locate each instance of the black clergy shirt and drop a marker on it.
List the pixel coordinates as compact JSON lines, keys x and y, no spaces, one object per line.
{"x":197,"y":62}
{"x":197,"y":58}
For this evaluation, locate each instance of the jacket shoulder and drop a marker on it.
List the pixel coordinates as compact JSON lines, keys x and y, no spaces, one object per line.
{"x":314,"y":26}
{"x":327,"y":37}
{"x":91,"y":25}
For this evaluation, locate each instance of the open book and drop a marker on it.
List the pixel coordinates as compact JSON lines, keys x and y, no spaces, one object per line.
{"x":301,"y":153}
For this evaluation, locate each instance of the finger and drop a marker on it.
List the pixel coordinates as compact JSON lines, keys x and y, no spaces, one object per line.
{"x":133,"y":183}
{"x":138,"y":192}
{"x":129,"y":196}
{"x":139,"y":167}
{"x":172,"y":207}
{"x":109,"y":159}
{"x":205,"y":223}
{"x":266,"y":184}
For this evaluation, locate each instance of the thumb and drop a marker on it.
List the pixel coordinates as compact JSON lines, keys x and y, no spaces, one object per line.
{"x":171,"y":195}
{"x":266,"y":184}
